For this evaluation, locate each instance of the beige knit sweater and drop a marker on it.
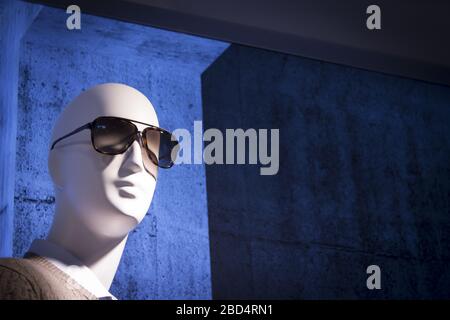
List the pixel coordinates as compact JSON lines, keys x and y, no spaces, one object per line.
{"x":33,"y":277}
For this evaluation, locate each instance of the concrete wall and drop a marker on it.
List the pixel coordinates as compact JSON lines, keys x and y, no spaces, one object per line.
{"x":167,"y":256}
{"x":15,"y":17}
{"x":364,"y":179}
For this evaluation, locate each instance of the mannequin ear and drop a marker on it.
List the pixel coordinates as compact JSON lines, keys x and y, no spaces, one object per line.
{"x":54,"y":168}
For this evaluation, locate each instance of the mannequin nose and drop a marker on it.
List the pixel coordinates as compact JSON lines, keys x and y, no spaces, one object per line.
{"x":133,"y":158}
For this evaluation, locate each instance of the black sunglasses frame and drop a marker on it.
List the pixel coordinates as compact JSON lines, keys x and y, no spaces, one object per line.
{"x":138,"y":133}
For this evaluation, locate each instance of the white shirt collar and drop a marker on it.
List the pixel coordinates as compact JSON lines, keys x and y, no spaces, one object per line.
{"x":72,"y":266}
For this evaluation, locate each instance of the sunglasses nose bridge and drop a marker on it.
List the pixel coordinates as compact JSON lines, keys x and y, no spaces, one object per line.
{"x":145,"y":153}
{"x":133,"y":153}
{"x":140,"y":139}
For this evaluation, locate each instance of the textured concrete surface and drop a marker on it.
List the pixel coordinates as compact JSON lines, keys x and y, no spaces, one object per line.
{"x":167,"y":256}
{"x":364,"y":179}
{"x":15,"y":17}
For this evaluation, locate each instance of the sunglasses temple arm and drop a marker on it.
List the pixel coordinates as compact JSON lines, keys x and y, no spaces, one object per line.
{"x":86,"y":126}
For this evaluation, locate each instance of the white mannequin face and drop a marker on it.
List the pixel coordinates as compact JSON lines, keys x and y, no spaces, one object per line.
{"x":110,"y":195}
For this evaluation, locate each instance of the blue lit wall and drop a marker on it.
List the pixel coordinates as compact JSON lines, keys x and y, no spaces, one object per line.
{"x":167,"y":257}
{"x":15,"y":18}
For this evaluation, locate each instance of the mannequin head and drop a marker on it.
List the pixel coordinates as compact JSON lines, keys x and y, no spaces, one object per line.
{"x":105,"y":195}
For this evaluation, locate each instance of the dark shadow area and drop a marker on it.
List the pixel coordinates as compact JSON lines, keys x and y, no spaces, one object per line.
{"x":364,"y":179}
{"x":412,"y":32}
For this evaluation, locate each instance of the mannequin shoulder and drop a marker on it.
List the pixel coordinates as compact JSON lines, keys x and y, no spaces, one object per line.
{"x":17,"y":280}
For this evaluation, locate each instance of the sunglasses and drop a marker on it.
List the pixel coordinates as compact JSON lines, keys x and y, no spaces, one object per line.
{"x":114,"y":135}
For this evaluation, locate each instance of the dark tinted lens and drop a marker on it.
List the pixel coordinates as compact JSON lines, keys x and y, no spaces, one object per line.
{"x":162,"y":147}
{"x":112,"y":136}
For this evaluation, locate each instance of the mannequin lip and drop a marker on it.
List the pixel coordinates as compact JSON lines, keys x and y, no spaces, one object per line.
{"x":123,"y":183}
{"x":127,"y":188}
{"x":126,"y":194}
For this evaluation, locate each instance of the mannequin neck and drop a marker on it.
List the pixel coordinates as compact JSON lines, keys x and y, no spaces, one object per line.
{"x":99,"y":253}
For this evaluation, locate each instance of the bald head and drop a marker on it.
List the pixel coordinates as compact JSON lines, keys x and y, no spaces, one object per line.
{"x":110,"y":99}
